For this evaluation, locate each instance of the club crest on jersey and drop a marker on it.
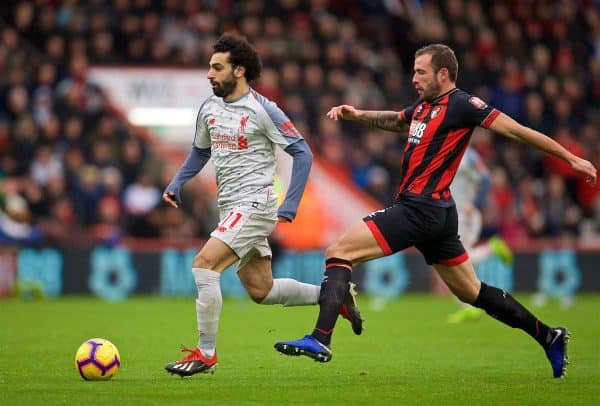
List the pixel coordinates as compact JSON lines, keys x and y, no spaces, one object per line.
{"x":435,"y":112}
{"x":477,"y":102}
{"x":243,"y":123}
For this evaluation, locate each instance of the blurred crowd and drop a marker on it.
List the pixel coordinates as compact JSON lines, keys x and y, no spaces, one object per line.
{"x":72,"y":171}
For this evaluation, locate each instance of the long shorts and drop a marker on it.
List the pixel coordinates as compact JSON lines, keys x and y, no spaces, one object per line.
{"x":245,"y":231}
{"x":431,"y":229}
{"x":469,"y":227}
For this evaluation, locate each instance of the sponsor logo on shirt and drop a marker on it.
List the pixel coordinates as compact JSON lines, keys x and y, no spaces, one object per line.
{"x":242,"y":142}
{"x":228,"y":142}
{"x":415,"y":132}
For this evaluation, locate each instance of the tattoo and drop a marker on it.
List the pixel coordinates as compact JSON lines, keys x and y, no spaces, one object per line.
{"x":386,"y":120}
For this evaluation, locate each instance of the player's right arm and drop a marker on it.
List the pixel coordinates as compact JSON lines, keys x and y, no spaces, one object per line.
{"x":385,"y":120}
{"x":195,"y":161}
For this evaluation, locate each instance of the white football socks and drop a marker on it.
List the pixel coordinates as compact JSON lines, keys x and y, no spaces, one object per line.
{"x":208,"y":308}
{"x":290,"y":292}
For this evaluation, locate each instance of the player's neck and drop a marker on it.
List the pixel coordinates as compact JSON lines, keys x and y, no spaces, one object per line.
{"x":241,"y":89}
{"x":445,"y":89}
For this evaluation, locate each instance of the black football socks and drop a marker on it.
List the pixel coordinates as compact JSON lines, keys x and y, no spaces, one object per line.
{"x":502,"y":306}
{"x":334,"y":289}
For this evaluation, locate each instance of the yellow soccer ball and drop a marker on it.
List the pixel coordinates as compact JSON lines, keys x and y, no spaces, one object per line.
{"x":97,"y":359}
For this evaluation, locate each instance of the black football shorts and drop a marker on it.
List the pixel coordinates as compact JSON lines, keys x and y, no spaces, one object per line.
{"x":431,"y":229}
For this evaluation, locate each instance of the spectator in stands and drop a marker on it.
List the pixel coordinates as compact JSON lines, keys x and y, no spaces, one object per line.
{"x":549,"y":76}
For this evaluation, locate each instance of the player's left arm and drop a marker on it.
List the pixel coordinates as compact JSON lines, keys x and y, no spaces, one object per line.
{"x":302,"y":162}
{"x":280,"y":129}
{"x":508,"y":127}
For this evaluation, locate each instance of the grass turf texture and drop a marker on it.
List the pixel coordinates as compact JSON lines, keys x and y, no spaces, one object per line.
{"x":406,"y":355}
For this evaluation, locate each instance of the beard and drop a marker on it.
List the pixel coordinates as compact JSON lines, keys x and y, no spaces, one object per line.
{"x":225,"y":88}
{"x":431,"y":92}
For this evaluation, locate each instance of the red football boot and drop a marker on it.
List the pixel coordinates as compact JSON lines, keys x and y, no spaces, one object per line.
{"x":193,"y":363}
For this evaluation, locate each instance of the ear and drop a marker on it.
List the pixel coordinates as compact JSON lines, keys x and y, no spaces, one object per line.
{"x":239,"y":71}
{"x":443,"y":74}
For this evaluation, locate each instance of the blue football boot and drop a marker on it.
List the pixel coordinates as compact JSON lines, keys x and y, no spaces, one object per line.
{"x":307,"y":345}
{"x":557,"y":351}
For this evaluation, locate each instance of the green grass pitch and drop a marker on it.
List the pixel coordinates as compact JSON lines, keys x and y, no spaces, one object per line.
{"x":406,"y":355}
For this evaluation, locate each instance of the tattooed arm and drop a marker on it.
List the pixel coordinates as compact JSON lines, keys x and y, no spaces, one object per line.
{"x":386,"y":120}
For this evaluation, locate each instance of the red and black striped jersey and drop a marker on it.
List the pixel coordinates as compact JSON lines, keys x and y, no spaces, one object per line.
{"x":439,"y":133}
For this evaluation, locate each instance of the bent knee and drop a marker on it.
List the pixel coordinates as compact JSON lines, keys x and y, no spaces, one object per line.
{"x":466,"y":294}
{"x":336,"y":250}
{"x":257,"y":294}
{"x":202,"y":260}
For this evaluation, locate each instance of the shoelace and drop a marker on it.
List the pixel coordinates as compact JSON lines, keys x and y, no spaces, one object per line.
{"x":192,"y":353}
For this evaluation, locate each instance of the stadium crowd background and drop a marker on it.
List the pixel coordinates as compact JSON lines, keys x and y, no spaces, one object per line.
{"x":73,"y":172}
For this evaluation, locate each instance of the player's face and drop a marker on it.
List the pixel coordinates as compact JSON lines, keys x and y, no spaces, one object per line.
{"x":425,"y":79}
{"x":221,"y":74}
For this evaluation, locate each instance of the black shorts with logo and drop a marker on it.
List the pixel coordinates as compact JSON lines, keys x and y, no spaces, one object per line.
{"x":431,"y":229}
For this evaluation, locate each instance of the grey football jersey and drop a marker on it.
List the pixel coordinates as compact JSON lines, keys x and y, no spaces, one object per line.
{"x":470,"y":172}
{"x":242,"y":135}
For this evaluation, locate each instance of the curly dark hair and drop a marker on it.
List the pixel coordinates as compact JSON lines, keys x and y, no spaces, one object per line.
{"x":241,"y":54}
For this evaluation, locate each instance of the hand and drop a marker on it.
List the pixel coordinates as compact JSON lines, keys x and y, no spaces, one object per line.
{"x":169,"y":197}
{"x":281,"y":219}
{"x":586,"y":167}
{"x":344,"y":111}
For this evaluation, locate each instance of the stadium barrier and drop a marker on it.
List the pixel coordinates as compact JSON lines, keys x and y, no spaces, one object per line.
{"x":114,"y":273}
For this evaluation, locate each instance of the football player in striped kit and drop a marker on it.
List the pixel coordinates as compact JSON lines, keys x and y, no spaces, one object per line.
{"x":424,"y":214}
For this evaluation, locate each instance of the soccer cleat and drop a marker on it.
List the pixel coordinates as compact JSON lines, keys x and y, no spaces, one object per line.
{"x":193,"y":363}
{"x":350,"y":310}
{"x":308,"y":346}
{"x":501,"y":249}
{"x":469,"y":313}
{"x":557,"y":351}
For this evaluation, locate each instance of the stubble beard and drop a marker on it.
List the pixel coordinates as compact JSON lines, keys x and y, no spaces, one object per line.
{"x":226,"y":87}
{"x":432,"y":92}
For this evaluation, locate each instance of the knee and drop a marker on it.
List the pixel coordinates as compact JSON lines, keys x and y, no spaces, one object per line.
{"x":335,"y":251}
{"x":467,"y":293}
{"x":257,"y":293}
{"x":464,"y":297}
{"x":201,"y":260}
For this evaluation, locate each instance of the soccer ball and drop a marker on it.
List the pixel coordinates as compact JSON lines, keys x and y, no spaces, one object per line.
{"x":97,"y":359}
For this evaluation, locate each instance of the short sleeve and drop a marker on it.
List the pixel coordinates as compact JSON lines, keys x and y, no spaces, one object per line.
{"x":472,"y":111}
{"x":407,"y":113}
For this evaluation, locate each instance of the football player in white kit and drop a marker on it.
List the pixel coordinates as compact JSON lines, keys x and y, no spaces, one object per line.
{"x":469,"y":190}
{"x":239,"y":128}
